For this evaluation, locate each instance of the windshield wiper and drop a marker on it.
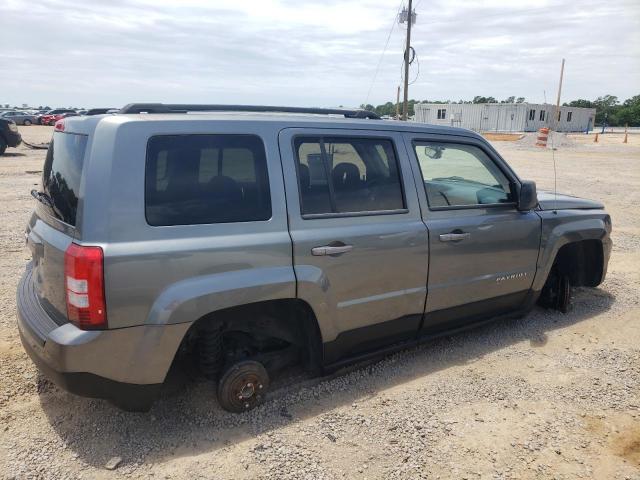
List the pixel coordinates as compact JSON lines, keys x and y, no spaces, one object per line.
{"x":42,"y":197}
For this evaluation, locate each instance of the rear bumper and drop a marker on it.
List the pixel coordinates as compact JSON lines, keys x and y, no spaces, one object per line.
{"x":126,"y":366}
{"x":127,"y":396}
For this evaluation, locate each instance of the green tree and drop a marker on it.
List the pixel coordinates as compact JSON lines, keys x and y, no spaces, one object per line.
{"x":629,"y":112}
{"x":606,"y":108}
{"x":479,"y":99}
{"x":579,"y":103}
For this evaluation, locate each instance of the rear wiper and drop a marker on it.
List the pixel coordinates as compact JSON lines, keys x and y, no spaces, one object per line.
{"x":42,"y":197}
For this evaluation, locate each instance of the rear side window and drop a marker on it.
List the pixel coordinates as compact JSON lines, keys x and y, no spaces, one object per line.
{"x":199,"y":179}
{"x":62,"y":172}
{"x":347,"y":175}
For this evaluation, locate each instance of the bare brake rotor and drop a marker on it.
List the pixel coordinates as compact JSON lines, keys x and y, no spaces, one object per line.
{"x":243,"y":385}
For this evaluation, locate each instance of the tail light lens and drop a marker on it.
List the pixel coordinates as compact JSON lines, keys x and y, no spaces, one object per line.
{"x":84,"y":285}
{"x":59,"y":126}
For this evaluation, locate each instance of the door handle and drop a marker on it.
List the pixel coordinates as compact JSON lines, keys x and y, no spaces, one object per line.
{"x":454,"y":237}
{"x":331,"y":250}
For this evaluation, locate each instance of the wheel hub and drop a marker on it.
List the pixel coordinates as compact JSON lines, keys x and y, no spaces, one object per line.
{"x":247,"y":391}
{"x":243,"y":386}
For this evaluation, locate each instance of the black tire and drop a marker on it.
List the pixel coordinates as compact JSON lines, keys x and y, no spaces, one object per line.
{"x":210,"y":350}
{"x":243,"y":386}
{"x":27,"y":123}
{"x":3,"y":146}
{"x":556,"y":293}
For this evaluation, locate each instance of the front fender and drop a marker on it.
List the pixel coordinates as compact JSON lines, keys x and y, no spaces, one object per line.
{"x":191,"y":299}
{"x":567,"y":226}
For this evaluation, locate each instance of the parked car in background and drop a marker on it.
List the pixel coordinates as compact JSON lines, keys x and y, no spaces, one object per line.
{"x":99,"y":111}
{"x":69,"y":114}
{"x":20,"y":117}
{"x":9,"y":135}
{"x":52,"y":116}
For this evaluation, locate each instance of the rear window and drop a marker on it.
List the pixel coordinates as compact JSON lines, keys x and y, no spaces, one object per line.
{"x":199,"y":179}
{"x":62,"y":172}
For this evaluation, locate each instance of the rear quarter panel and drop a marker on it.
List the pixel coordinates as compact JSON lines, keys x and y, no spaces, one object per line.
{"x":176,"y":274}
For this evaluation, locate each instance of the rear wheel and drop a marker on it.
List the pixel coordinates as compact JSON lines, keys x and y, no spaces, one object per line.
{"x":242,"y":386}
{"x":3,"y":146}
{"x":26,"y":123}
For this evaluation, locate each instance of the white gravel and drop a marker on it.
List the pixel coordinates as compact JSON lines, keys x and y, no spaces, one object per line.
{"x":546,"y":396}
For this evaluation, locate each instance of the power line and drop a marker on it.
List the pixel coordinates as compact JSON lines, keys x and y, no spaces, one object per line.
{"x":386,"y":44}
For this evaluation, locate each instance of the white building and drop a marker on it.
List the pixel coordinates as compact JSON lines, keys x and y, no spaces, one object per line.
{"x":505,"y":117}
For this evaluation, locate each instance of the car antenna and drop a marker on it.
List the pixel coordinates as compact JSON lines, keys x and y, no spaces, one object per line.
{"x":555,"y":176}
{"x":556,"y":121}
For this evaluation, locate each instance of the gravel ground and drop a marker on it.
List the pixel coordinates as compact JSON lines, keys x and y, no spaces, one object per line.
{"x":546,"y":396}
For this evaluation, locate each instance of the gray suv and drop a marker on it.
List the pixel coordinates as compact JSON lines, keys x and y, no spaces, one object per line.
{"x":251,"y":239}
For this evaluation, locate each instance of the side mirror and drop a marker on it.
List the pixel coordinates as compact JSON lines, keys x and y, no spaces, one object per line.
{"x":528,"y":197}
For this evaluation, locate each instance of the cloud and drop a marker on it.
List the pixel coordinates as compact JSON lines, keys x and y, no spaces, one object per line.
{"x":74,"y":52}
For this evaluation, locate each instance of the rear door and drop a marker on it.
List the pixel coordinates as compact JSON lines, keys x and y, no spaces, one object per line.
{"x":483,"y":251}
{"x":52,"y":225}
{"x":360,"y":247}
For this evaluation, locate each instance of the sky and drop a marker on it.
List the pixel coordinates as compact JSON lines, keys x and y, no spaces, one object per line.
{"x":325,"y":53}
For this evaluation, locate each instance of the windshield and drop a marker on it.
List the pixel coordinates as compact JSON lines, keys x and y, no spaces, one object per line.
{"x":62,"y":172}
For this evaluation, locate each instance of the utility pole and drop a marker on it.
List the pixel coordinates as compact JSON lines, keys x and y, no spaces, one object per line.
{"x":398,"y":104}
{"x":407,"y":53}
{"x":557,"y":116}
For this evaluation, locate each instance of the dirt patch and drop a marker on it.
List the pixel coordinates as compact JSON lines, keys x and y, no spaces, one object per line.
{"x":502,"y":137}
{"x":627,"y":445}
{"x":555,"y":140}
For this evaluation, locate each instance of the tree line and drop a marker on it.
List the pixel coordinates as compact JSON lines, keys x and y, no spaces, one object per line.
{"x":608,"y":108}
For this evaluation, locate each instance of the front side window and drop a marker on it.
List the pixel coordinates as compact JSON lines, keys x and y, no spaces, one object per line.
{"x":200,"y":179}
{"x":460,"y":175}
{"x":347,"y":175}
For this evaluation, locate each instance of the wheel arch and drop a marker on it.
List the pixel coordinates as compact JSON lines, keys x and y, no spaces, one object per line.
{"x":582,"y":262}
{"x":583,"y":241}
{"x":289,"y":319}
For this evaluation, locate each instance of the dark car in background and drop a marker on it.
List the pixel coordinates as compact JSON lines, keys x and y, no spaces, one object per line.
{"x":20,"y":117}
{"x":9,"y":135}
{"x":99,"y":111}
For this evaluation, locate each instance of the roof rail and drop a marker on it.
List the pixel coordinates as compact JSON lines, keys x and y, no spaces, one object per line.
{"x":184,"y":108}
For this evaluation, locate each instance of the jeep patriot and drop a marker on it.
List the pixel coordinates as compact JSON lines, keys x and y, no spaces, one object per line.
{"x":252,"y":239}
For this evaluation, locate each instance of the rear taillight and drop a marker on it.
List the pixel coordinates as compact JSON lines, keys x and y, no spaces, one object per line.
{"x":84,"y":286}
{"x":59,"y":127}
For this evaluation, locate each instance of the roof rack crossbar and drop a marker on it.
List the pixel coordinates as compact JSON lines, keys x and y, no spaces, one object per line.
{"x":184,"y":108}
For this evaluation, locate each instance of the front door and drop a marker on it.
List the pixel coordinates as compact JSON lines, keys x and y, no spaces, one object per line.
{"x":483,"y":251}
{"x":360,"y":247}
